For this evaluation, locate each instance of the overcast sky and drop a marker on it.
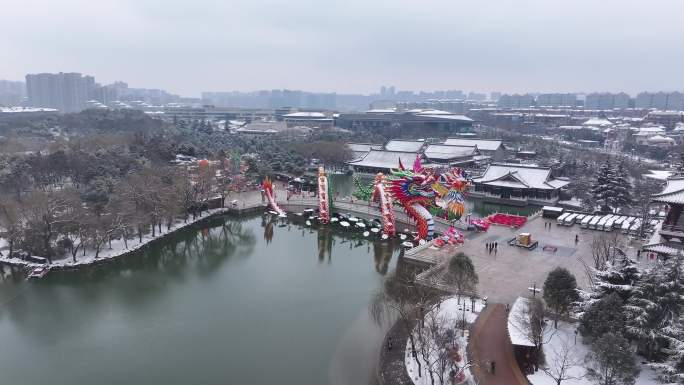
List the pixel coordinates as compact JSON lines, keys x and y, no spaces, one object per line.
{"x":350,"y":46}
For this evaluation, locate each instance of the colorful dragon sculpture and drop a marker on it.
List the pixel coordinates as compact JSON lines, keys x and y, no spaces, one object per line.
{"x":424,"y":192}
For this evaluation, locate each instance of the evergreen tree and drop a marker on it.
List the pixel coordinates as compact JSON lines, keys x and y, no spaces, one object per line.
{"x":620,"y":276}
{"x":603,"y":189}
{"x":653,"y":317}
{"x":622,"y":187}
{"x":611,"y":361}
{"x":603,"y":316}
{"x":560,"y":291}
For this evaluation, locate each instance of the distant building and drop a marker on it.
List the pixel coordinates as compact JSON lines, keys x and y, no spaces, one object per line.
{"x":586,"y":143}
{"x":411,"y":123}
{"x":66,"y":92}
{"x":27,"y":111}
{"x":488,"y":147}
{"x":12,"y":93}
{"x":673,"y":101}
{"x":261,"y":129}
{"x":476,"y":96}
{"x":557,"y":100}
{"x":518,"y":184}
{"x":607,"y":101}
{"x":383,"y":104}
{"x":516,"y":101}
{"x":666,"y":118}
{"x":313,"y":120}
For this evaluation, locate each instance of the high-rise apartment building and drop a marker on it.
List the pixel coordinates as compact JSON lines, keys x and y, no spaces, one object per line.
{"x":67,"y":92}
{"x":11,"y":92}
{"x":556,"y":100}
{"x":672,"y":101}
{"x":607,"y":101}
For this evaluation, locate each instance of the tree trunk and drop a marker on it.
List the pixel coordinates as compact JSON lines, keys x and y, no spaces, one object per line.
{"x":414,"y":353}
{"x":159,"y":225}
{"x":46,"y":244}
{"x":139,"y":234}
{"x":11,"y":248}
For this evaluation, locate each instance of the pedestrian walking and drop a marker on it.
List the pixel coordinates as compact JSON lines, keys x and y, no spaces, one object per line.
{"x":496,"y":245}
{"x":389,"y":343}
{"x":493,"y":367}
{"x":576,"y":238}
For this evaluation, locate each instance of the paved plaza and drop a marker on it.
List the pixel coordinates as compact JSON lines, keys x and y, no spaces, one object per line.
{"x":508,"y":273}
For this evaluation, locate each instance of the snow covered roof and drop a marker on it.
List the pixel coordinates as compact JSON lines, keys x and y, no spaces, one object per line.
{"x":404,"y":145}
{"x":363,"y":147}
{"x":517,"y":326}
{"x":598,"y":122}
{"x":660,"y":139}
{"x":461,"y":118}
{"x":305,"y":115}
{"x":481,"y":144}
{"x":659,"y":174}
{"x":359,"y":150}
{"x":520,"y":176}
{"x":446,"y":152}
{"x":672,"y":193}
{"x":663,"y":248}
{"x":384,"y":159}
{"x":431,"y":112}
{"x":382,"y":111}
{"x":10,"y":110}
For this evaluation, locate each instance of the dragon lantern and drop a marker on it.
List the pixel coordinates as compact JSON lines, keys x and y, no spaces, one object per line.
{"x":424,"y":192}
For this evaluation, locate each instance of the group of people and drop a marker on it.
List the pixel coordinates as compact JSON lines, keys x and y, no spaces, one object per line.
{"x":492,"y":247}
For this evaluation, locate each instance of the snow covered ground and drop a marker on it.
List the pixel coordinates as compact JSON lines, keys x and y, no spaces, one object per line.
{"x":564,"y":338}
{"x":450,"y":312}
{"x":118,"y":247}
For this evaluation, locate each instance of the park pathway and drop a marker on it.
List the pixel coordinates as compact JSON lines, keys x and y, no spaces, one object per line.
{"x":490,"y":342}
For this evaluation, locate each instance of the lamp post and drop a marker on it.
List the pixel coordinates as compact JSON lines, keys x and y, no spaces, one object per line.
{"x":534,"y":290}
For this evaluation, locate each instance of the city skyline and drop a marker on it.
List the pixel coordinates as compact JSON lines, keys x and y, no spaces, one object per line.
{"x":353,"y":47}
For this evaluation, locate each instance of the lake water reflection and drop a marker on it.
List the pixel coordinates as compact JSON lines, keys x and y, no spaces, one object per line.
{"x":234,"y":301}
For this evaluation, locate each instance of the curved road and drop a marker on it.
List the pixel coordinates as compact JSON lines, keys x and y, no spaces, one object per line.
{"x":490,"y":342}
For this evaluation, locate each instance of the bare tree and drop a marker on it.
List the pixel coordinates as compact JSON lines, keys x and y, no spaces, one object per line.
{"x":604,"y":248}
{"x":73,"y":230}
{"x":561,"y":360}
{"x":11,"y":223}
{"x":42,"y":215}
{"x":404,"y":300}
{"x":461,"y":273}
